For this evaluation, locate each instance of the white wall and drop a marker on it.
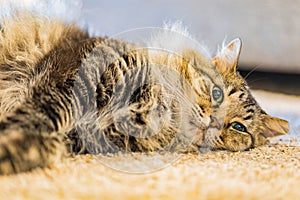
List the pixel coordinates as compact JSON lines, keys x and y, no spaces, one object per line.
{"x":270,"y":29}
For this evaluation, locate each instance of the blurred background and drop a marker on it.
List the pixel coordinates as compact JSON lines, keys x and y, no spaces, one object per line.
{"x":269,"y":29}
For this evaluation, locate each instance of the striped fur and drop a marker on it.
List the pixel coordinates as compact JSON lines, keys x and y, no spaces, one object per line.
{"x":64,"y":92}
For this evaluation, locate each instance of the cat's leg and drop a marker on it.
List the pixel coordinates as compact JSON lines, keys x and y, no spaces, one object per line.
{"x":20,"y":151}
{"x":146,"y":121}
{"x":29,"y":135}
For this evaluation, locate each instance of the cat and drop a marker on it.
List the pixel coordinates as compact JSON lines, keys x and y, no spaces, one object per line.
{"x":63,"y":92}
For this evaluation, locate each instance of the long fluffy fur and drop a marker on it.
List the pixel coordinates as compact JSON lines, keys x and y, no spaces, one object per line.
{"x":22,"y":46}
{"x":175,"y":37}
{"x":31,"y":29}
{"x":67,"y":11}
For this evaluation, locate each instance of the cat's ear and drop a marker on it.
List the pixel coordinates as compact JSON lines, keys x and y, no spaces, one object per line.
{"x":227,"y":58}
{"x":274,"y":126}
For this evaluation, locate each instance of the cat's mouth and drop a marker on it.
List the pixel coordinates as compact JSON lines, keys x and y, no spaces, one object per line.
{"x":199,"y":138}
{"x":202,"y":133}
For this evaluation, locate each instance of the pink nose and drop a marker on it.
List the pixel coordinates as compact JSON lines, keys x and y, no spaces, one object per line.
{"x":214,"y":123}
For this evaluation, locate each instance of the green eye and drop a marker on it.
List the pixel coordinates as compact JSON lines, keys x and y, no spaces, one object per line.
{"x":217,"y":94}
{"x":238,"y":126}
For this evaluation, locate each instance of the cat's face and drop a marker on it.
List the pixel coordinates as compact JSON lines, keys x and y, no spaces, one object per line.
{"x":245,"y":124}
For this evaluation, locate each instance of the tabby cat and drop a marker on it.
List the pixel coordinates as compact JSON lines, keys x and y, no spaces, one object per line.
{"x":64,"y":92}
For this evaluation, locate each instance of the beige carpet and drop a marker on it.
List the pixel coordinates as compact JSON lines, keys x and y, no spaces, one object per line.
{"x":269,"y":172}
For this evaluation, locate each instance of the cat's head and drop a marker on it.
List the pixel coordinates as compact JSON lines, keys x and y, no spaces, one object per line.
{"x":246,"y":125}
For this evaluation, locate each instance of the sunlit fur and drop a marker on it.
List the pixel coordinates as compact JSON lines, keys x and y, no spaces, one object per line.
{"x":64,"y":92}
{"x":24,"y":41}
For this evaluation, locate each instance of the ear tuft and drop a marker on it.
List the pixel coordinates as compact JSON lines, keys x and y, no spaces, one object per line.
{"x":274,"y":126}
{"x":227,"y":58}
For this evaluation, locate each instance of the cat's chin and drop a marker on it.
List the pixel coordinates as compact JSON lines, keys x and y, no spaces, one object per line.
{"x":204,"y":148}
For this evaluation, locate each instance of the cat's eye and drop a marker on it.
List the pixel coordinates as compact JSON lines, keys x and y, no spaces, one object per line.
{"x":238,"y":126}
{"x":217,"y":94}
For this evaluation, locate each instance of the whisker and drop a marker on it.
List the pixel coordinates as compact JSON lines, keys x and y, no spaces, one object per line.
{"x":252,"y":70}
{"x":258,"y":79}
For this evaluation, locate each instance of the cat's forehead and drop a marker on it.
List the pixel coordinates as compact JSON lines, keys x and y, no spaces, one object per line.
{"x":241,"y":99}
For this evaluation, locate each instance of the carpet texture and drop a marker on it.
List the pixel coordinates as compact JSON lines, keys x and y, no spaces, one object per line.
{"x":269,"y":172}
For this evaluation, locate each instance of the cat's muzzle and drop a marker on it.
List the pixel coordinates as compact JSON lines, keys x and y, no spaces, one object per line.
{"x":214,"y":123}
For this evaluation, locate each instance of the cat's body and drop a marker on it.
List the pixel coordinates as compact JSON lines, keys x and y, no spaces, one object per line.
{"x":63,"y":92}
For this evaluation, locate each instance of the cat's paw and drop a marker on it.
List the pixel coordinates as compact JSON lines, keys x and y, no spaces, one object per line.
{"x":8,"y":149}
{"x":20,"y":152}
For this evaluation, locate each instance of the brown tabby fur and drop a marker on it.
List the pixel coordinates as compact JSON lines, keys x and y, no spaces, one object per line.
{"x":57,"y":89}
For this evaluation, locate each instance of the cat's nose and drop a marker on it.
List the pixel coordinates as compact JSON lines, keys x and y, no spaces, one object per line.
{"x":214,"y":123}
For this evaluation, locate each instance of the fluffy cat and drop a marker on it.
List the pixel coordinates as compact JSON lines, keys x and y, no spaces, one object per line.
{"x":63,"y":92}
